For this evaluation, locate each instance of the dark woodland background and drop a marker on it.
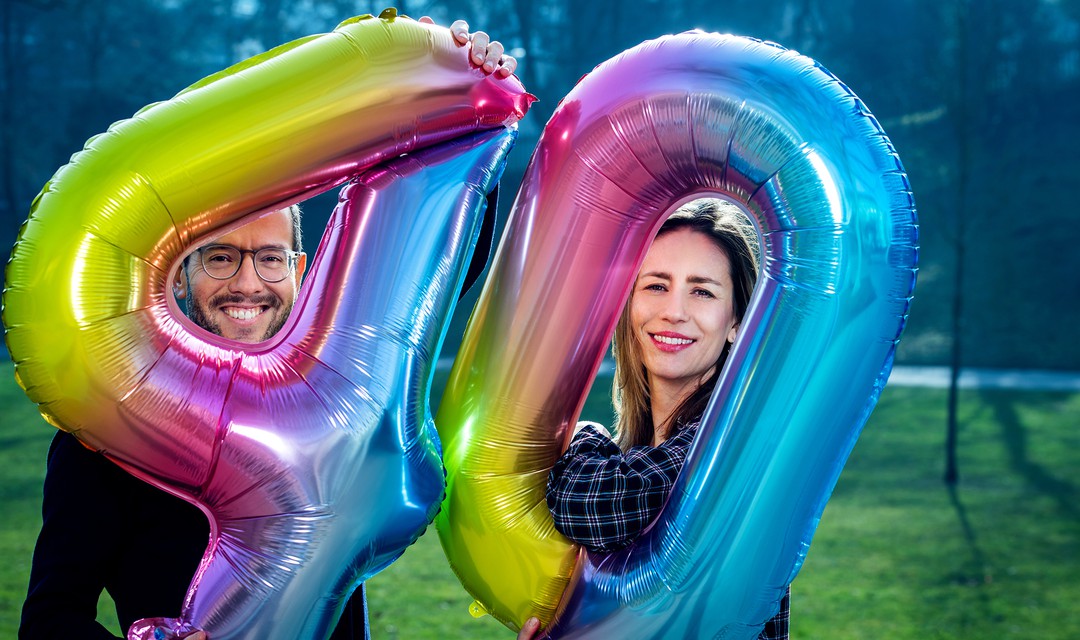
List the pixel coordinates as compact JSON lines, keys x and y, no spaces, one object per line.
{"x":978,"y":97}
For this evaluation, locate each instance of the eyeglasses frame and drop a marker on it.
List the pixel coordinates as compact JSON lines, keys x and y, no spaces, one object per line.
{"x":289,"y":253}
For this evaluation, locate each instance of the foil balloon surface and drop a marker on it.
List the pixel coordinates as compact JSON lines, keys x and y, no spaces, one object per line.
{"x":312,"y":453}
{"x":668,"y":121}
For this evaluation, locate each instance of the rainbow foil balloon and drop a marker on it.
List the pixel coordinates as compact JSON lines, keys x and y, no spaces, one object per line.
{"x":668,"y":121}
{"x":312,"y":453}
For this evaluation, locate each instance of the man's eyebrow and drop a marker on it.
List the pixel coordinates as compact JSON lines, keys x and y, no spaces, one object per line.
{"x":233,"y":246}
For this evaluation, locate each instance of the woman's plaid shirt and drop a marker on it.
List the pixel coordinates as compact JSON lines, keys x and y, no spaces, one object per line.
{"x":603,"y":498}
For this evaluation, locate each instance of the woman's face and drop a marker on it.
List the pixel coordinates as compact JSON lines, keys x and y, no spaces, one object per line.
{"x":681,"y":310}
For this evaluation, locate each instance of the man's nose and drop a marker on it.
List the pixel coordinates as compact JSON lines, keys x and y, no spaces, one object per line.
{"x":246,"y":280}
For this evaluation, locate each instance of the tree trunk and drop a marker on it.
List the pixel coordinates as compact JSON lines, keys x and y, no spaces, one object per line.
{"x":7,"y":116}
{"x":960,"y":108}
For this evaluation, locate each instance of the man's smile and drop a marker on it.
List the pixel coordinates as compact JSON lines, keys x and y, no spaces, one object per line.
{"x":244,"y":313}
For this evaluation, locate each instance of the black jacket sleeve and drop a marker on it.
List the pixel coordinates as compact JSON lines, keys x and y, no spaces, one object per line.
{"x":103,"y":529}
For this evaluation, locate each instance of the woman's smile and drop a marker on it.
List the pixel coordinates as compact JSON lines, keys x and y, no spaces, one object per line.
{"x":670,"y":341}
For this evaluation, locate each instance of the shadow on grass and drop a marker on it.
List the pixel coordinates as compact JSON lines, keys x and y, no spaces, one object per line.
{"x":978,"y":573}
{"x":1015,"y":437}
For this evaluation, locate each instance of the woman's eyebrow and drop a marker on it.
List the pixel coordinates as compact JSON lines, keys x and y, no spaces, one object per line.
{"x":663,"y":275}
{"x":703,"y":280}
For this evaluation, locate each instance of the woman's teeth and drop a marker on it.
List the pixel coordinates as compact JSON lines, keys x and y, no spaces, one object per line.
{"x":670,"y":340}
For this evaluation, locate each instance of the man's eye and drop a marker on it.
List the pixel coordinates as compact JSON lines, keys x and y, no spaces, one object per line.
{"x":221,"y":258}
{"x":272,"y":258}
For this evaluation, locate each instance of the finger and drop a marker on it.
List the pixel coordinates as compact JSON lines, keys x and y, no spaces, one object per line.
{"x":507,"y":67}
{"x":426,"y":20}
{"x":494,"y":53}
{"x":529,"y":629}
{"x":480,"y":42}
{"x":460,"y":31}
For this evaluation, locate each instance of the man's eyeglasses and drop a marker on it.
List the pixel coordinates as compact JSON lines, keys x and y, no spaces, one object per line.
{"x":221,"y":262}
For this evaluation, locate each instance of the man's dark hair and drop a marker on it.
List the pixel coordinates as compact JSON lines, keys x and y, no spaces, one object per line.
{"x":297,"y":229}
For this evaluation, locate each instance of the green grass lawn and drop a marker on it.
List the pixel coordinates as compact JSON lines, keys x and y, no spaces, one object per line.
{"x":897,"y":555}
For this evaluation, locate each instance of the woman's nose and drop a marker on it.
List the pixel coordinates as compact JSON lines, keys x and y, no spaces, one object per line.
{"x":674,"y":309}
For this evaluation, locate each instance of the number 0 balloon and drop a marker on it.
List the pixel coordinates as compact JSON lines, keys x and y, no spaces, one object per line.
{"x":668,"y":121}
{"x":313,"y":452}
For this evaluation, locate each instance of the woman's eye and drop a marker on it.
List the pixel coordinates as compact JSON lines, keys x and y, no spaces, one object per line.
{"x":655,"y":287}
{"x":704,"y":293}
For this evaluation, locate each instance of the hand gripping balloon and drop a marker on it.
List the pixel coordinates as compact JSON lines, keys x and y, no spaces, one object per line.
{"x":663,"y":123}
{"x":312,"y":453}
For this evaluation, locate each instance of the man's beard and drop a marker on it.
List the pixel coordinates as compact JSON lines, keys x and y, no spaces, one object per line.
{"x":199,"y":315}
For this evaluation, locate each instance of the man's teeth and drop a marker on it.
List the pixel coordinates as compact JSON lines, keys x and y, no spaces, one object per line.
{"x":242,"y":314}
{"x":669,"y":340}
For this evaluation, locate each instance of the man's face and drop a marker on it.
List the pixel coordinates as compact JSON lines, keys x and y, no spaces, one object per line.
{"x":244,"y":307}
